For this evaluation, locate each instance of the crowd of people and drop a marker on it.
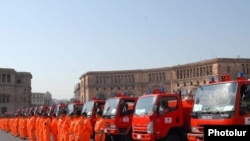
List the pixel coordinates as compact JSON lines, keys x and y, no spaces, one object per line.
{"x":60,"y":126}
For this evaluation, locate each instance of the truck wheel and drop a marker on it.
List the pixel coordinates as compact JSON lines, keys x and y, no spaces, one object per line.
{"x":173,"y":137}
{"x":115,"y":137}
{"x":128,"y":137}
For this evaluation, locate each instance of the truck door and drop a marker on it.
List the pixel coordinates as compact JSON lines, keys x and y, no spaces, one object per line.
{"x":166,"y":114}
{"x":244,"y":107}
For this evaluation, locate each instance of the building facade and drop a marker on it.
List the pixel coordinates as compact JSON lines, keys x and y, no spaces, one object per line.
{"x":38,"y":99}
{"x":15,"y":90}
{"x":77,"y":91}
{"x":176,"y":78}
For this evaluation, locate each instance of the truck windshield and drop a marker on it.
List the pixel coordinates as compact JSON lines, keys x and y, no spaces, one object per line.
{"x":215,"y":98}
{"x":110,"y":107}
{"x":87,"y":107}
{"x":144,"y":105}
{"x":71,"y":107}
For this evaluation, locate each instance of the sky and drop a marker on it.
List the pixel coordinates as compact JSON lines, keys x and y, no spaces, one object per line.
{"x":57,"y":41}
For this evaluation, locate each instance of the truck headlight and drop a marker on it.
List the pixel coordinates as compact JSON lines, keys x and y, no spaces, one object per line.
{"x":113,"y":126}
{"x":150,"y":127}
{"x":194,"y":130}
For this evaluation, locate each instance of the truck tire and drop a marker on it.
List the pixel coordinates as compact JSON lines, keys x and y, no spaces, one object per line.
{"x":115,"y":138}
{"x":173,"y":137}
{"x":128,"y":137}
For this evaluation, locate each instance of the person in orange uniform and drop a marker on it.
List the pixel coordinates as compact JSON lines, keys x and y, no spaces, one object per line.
{"x":65,"y":126}
{"x":46,"y":127}
{"x":16,"y":125}
{"x":86,"y":128}
{"x":23,"y":127}
{"x":38,"y":125}
{"x":72,"y":126}
{"x":78,"y":129}
{"x":99,"y":127}
{"x":31,"y":125}
{"x":59,"y":127}
{"x":54,"y":126}
{"x":7,"y":123}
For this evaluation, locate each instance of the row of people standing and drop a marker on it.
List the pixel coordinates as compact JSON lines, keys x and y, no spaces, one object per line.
{"x":58,"y":127}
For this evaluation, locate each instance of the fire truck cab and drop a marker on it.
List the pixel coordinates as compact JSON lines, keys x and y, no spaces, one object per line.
{"x":159,"y":115}
{"x":91,"y":108}
{"x":118,"y":113}
{"x":226,"y":102}
{"x":75,"y":106}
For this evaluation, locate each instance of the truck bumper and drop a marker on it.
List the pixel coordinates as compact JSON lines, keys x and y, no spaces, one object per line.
{"x":143,"y":137}
{"x":195,"y":137}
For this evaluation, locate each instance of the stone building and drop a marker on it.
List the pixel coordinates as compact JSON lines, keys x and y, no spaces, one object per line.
{"x":38,"y":99}
{"x":175,"y":78}
{"x":77,"y":92}
{"x":15,"y":90}
{"x":47,"y":99}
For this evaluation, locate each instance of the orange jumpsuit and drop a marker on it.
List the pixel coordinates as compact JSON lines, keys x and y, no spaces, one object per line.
{"x":11,"y":126}
{"x":84,"y":131}
{"x":37,"y":127}
{"x":23,"y":128}
{"x":40,"y":134}
{"x":46,"y":129}
{"x":16,"y":126}
{"x":59,"y":129}
{"x":54,"y":129}
{"x":99,"y":127}
{"x":65,"y":128}
{"x":8,"y":124}
{"x":20,"y":125}
{"x":71,"y":128}
{"x":32,"y":128}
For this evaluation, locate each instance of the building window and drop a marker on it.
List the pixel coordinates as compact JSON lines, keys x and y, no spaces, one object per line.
{"x":8,"y":78}
{"x":3,"y":98}
{"x":247,"y":69}
{"x":228,"y":69}
{"x":3,"y":78}
{"x":3,"y":110}
{"x":18,"y":81}
{"x":178,"y":77}
{"x":8,"y":99}
{"x":198,"y":82}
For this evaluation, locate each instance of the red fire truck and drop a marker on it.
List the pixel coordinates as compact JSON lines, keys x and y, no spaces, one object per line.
{"x":226,"y":102}
{"x":159,"y":115}
{"x":118,"y":112}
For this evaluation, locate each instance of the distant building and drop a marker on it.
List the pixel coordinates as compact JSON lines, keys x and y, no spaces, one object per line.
{"x":77,"y":91}
{"x":172,"y":79}
{"x":47,"y":99}
{"x":38,"y":99}
{"x":15,"y":90}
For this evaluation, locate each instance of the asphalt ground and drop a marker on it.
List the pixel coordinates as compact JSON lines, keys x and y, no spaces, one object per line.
{"x":8,"y":137}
